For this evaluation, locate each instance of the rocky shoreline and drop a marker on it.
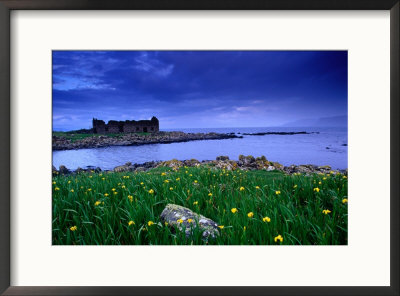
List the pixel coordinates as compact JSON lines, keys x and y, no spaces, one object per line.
{"x":245,"y":163}
{"x":98,"y":141}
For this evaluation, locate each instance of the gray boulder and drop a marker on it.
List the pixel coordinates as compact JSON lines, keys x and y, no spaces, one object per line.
{"x":185,"y":219}
{"x":127,"y":167}
{"x":222,"y":157}
{"x":191,"y":162}
{"x":63,"y":170}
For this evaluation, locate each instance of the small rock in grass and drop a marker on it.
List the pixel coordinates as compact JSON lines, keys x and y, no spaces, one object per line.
{"x":174,"y":213}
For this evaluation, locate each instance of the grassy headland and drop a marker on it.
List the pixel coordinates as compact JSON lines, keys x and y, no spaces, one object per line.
{"x":73,"y":137}
{"x":251,"y":207}
{"x":71,"y":140}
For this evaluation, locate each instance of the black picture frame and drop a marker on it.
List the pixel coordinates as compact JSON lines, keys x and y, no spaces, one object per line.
{"x":7,"y":6}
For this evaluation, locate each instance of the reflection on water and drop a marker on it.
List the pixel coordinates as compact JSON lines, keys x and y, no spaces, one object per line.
{"x":325,"y":148}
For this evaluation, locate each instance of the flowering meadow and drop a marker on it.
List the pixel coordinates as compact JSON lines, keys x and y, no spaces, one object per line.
{"x":250,"y":207}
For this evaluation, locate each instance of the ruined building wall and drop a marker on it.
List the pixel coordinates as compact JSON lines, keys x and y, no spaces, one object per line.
{"x":128,"y":126}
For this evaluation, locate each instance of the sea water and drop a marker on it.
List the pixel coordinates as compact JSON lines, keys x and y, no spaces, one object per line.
{"x":323,"y":146}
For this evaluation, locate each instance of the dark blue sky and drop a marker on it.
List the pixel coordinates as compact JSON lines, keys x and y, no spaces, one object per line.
{"x":198,"y":88}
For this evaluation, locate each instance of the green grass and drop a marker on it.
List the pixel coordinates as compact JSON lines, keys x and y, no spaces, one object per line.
{"x":75,"y":137}
{"x":296,"y":213}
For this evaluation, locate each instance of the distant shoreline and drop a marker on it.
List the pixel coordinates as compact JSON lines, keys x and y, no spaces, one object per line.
{"x":279,"y":133}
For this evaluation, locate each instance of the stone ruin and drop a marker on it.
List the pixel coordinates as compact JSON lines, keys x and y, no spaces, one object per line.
{"x":127,"y":126}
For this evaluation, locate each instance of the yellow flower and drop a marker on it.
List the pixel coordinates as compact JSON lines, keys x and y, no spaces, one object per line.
{"x":73,"y":228}
{"x":166,"y":181}
{"x":171,"y":188}
{"x":177,"y":179}
{"x":319,"y":182}
{"x":316,"y":189}
{"x":151,"y":191}
{"x":113,"y":189}
{"x":344,"y":177}
{"x":344,"y":200}
{"x":54,"y":183}
{"x":267,"y":219}
{"x":195,"y":181}
{"x":150,"y":223}
{"x":130,"y":197}
{"x":90,"y":177}
{"x":190,"y":220}
{"x":103,"y":178}
{"x":89,"y":189}
{"x":106,"y":194}
{"x":244,"y":228}
{"x":163,"y":174}
{"x":141,"y":183}
{"x":195,"y":203}
{"x":131,"y":223}
{"x":190,"y":175}
{"x":97,"y":203}
{"x":123,"y":186}
{"x":326,"y":212}
{"x":69,"y":182}
{"x":278,"y":238}
{"x":234,"y":210}
{"x":295,"y":186}
{"x":324,"y":178}
{"x":56,"y":189}
{"x":166,"y":223}
{"x":72,"y":190}
{"x":221,"y":226}
{"x":210,"y":194}
{"x":257,"y":187}
{"x":277,"y":192}
{"x":115,"y":192}
{"x":241,"y":188}
{"x":250,"y":215}
{"x":179,"y":221}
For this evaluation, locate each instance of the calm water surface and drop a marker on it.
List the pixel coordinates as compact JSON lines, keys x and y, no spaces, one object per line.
{"x":285,"y":149}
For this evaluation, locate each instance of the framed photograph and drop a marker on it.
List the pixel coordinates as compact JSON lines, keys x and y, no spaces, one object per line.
{"x":199,"y":148}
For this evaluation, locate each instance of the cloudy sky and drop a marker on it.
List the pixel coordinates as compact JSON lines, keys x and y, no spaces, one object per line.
{"x":198,"y":88}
